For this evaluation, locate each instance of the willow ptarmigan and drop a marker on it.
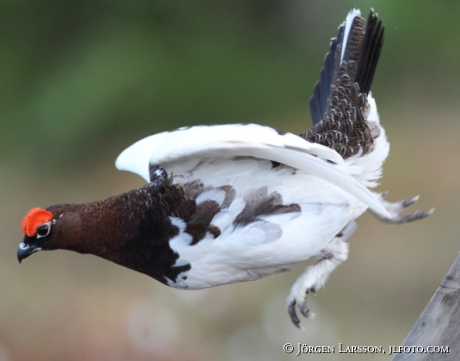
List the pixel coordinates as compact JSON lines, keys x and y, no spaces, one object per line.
{"x":233,"y":203}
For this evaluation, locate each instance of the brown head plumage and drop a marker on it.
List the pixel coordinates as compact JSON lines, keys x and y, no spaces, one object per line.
{"x":132,"y":229}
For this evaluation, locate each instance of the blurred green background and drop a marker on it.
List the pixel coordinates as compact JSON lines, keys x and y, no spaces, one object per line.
{"x":82,"y":80}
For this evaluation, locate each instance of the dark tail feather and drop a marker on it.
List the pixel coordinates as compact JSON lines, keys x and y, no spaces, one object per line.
{"x":322,"y":89}
{"x":361,"y":55}
{"x":370,"y":53}
{"x":339,"y":104}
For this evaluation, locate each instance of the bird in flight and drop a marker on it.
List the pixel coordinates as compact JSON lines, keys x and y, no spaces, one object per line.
{"x":238,"y":202}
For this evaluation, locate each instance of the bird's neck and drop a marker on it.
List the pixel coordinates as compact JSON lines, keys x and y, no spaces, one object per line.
{"x":132,"y":229}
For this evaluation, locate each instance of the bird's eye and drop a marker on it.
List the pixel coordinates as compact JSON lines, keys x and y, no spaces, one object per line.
{"x":43,"y":230}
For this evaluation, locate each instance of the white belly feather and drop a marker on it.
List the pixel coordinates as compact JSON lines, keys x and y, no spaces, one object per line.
{"x":270,"y":244}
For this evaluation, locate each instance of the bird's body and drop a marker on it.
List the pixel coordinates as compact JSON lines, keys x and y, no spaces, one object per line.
{"x":245,"y":209}
{"x":232,"y":203}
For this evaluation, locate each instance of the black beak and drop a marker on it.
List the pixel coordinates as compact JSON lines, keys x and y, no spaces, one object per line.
{"x":25,"y":250}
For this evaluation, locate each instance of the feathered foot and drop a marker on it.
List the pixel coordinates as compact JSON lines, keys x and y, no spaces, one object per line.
{"x":314,"y":277}
{"x":395,"y":208}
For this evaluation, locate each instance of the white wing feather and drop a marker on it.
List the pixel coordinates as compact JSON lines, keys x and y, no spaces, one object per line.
{"x":180,"y":151}
{"x":203,"y":141}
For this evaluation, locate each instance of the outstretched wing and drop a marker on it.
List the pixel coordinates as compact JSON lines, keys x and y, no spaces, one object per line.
{"x":182,"y":151}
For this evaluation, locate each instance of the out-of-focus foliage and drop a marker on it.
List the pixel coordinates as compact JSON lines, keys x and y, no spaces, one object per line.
{"x":81,"y":80}
{"x":88,"y":71}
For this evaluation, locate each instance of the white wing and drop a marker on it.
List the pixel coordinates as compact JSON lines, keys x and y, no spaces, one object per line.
{"x":180,"y":151}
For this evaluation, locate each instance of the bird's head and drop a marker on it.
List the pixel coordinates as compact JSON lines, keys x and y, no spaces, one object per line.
{"x":37,"y":226}
{"x":57,"y":227}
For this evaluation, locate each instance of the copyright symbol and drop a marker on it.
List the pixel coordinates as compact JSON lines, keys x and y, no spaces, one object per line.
{"x":288,"y":348}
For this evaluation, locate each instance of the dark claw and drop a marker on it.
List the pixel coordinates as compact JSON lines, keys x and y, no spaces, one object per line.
{"x":408,"y":217}
{"x":402,"y":218}
{"x":407,"y":202}
{"x":304,"y":310}
{"x":291,"y":310}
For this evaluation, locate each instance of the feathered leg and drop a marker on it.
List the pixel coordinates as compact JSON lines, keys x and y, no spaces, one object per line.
{"x":314,"y":277}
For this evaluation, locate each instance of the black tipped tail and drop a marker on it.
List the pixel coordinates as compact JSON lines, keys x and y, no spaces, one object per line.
{"x":362,"y":43}
{"x":370,"y":52}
